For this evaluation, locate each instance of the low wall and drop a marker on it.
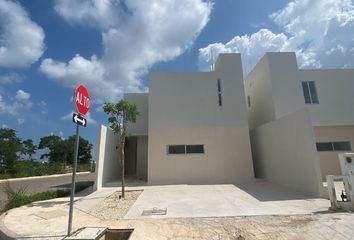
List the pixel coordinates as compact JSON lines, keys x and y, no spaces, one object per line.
{"x":284,"y":153}
{"x":107,"y":163}
{"x":41,"y":183}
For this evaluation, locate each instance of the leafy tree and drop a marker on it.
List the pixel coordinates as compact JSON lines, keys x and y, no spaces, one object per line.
{"x":62,"y":150}
{"x":53,"y":144}
{"x":84,"y":154}
{"x":29,"y":148}
{"x":119,"y":115}
{"x":10,"y":148}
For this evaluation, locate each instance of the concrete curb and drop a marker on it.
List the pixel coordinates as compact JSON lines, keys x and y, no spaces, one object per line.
{"x":5,"y":233}
{"x":39,"y":177}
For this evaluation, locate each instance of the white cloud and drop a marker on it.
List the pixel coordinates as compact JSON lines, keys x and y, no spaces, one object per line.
{"x":251,"y":48}
{"x":10,"y":78}
{"x":22,"y":95}
{"x":135,"y":35}
{"x":12,"y":106}
{"x":320,"y":32}
{"x":69,"y":117}
{"x":21,"y":39}
{"x":20,"y":121}
{"x":3,"y":125}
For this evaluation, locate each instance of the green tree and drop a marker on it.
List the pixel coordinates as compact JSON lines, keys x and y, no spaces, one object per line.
{"x":119,"y":115}
{"x":62,"y":150}
{"x":54,"y":146}
{"x":85,"y":148}
{"x":10,"y":149}
{"x":29,"y":148}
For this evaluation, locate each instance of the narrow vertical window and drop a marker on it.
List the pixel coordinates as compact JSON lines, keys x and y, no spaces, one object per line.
{"x":219,"y":92}
{"x":310,"y":93}
{"x":305,"y":89}
{"x":249,"y":101}
{"x":313,"y":92}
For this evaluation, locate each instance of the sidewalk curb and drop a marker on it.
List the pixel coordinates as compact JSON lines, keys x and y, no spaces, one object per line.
{"x":5,"y":233}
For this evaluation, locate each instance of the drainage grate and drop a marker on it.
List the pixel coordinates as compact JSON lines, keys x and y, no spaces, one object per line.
{"x":154,"y":211}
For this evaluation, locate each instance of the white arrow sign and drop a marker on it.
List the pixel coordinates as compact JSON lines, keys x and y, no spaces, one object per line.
{"x":79,"y":119}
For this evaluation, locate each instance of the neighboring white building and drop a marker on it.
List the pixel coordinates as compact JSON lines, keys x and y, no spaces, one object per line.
{"x":193,"y":128}
{"x":276,"y":88}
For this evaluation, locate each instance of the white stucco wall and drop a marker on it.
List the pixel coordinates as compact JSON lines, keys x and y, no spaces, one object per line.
{"x":275,"y":89}
{"x":183,"y":109}
{"x":335,"y":94}
{"x":140,"y":127}
{"x":284,"y":153}
{"x":258,"y":87}
{"x":329,"y":161}
{"x":107,"y":162}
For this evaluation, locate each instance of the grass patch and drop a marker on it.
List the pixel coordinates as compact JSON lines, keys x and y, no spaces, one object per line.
{"x":19,"y":197}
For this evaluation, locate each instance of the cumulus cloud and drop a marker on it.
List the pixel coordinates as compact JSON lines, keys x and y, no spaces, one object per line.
{"x":21,"y":39}
{"x":320,"y":32}
{"x":22,"y":95}
{"x":13,"y":105}
{"x":135,"y":35}
{"x":10,"y":78}
{"x":20,"y":121}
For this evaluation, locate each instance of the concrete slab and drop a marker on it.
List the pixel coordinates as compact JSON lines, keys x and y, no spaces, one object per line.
{"x":89,"y":202}
{"x":259,"y":198}
{"x":90,"y":233}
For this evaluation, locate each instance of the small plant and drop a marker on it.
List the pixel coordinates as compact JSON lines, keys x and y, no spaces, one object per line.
{"x":15,"y":198}
{"x":19,"y":197}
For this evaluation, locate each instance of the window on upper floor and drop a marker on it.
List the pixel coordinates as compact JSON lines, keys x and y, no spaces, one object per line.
{"x":333,"y":146}
{"x":310,"y":93}
{"x":249,"y":101}
{"x":219,"y":92}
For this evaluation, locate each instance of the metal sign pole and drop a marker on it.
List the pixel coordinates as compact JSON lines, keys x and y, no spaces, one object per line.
{"x":73,"y":180}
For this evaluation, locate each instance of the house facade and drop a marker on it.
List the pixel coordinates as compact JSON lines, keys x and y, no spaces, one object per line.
{"x":192,"y":128}
{"x":276,"y":87}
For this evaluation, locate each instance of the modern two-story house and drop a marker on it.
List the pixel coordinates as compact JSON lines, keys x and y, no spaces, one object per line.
{"x":192,"y":128}
{"x":277,"y":88}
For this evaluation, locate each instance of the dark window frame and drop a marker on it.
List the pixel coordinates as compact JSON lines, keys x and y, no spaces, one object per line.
{"x":333,"y":146}
{"x":219,"y":90}
{"x":195,"y":149}
{"x":310,"y":92}
{"x":187,"y":149}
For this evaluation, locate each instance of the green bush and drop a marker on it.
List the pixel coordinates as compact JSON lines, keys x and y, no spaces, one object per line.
{"x":16,"y":198}
{"x":19,"y":197}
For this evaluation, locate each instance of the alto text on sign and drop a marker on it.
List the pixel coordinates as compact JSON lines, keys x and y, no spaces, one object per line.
{"x":82,"y":99}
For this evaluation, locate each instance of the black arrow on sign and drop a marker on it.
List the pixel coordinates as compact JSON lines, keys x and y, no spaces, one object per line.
{"x":79,"y":119}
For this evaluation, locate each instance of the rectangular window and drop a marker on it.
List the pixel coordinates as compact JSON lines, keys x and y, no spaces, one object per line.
{"x":333,"y":146}
{"x":324,"y":146}
{"x":305,"y":88}
{"x":310,"y":93}
{"x":183,"y":149}
{"x":342,"y":146}
{"x":176,"y":149}
{"x":195,"y":148}
{"x":249,"y":101}
{"x":219,"y":92}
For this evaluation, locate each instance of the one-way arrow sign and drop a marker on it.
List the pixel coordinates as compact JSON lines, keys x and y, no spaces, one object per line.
{"x":79,"y":119}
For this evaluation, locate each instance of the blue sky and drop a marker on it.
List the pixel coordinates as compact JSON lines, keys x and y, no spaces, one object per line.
{"x":48,"y":47}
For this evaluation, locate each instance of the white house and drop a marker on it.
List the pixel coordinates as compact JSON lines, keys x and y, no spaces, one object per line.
{"x":193,"y":128}
{"x":309,"y":106}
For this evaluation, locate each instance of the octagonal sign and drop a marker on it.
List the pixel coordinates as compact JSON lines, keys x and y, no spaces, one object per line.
{"x":82,"y":99}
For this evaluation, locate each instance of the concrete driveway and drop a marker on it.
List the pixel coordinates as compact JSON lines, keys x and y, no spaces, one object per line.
{"x":258,"y":198}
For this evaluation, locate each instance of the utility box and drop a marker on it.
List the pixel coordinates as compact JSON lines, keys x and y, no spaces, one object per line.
{"x":346,"y":161}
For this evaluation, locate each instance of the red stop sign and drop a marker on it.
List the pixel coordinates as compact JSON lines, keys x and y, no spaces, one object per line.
{"x":82,"y":99}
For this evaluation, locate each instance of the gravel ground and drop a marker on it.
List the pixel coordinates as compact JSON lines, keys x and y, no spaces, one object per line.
{"x":113,"y":207}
